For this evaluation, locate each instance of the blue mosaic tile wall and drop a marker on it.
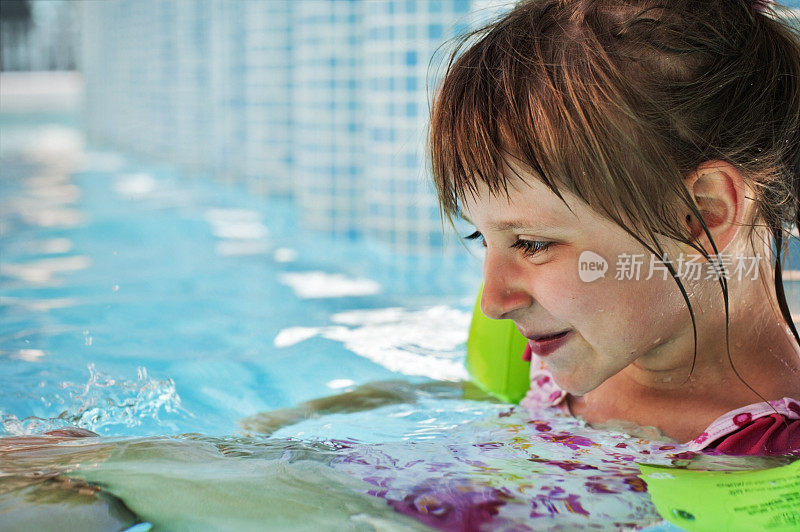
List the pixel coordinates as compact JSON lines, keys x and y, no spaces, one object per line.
{"x":322,"y":100}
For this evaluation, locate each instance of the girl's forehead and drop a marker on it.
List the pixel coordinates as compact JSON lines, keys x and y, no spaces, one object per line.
{"x":529,"y":201}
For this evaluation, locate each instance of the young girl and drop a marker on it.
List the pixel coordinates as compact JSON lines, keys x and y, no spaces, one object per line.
{"x":632,"y":168}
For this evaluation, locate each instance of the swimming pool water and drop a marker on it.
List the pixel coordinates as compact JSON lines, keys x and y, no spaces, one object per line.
{"x":177,"y":289}
{"x":168,"y":312}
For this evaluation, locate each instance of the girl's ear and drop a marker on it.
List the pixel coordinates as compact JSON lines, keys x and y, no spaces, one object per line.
{"x":718,"y":191}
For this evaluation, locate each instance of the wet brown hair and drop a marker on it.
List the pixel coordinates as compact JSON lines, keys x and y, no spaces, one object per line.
{"x":618,"y":101}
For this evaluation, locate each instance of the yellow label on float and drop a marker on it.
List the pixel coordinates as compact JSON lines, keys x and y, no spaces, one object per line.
{"x":766,"y":499}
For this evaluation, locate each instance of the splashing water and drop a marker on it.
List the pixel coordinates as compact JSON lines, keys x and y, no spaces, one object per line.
{"x":103,"y":402}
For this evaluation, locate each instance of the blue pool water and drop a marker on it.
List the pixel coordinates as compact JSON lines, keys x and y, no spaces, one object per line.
{"x":176,"y":289}
{"x":169,"y":313}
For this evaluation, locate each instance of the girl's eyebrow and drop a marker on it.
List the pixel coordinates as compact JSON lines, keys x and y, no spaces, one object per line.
{"x":511,"y":225}
{"x":518,"y":224}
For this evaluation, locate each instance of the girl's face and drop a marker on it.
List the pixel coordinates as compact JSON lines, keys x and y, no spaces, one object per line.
{"x":534,"y":248}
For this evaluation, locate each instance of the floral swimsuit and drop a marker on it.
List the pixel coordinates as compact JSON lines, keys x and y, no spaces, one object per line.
{"x":754,"y":429}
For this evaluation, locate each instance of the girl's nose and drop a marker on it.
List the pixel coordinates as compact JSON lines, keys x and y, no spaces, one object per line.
{"x":503,"y":287}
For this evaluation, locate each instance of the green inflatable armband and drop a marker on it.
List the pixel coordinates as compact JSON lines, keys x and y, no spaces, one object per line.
{"x":494,"y":356}
{"x":708,"y":501}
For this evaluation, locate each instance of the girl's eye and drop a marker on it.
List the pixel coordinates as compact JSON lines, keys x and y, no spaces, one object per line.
{"x":476,"y":236}
{"x":528,"y":247}
{"x":531,"y":247}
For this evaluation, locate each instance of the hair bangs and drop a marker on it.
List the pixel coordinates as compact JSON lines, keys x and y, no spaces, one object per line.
{"x":465,"y":134}
{"x":561,"y":111}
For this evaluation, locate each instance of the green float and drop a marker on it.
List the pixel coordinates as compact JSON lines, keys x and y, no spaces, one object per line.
{"x":494,"y":356}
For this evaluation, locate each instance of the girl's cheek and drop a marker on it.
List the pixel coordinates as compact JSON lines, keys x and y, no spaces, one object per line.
{"x":650,"y":307}
{"x":568,"y":299}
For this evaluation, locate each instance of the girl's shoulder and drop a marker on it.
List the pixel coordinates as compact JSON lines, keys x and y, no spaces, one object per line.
{"x":759,"y":428}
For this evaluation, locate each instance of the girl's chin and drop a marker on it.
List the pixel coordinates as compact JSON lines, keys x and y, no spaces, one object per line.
{"x":573,"y":386}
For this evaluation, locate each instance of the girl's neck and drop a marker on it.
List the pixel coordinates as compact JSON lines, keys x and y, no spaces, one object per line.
{"x":658,"y":389}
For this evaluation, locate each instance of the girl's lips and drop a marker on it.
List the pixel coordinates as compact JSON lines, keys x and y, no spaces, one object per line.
{"x":545,"y":346}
